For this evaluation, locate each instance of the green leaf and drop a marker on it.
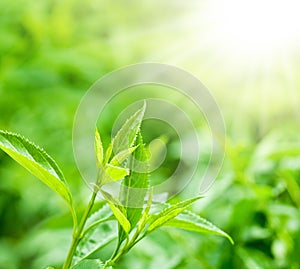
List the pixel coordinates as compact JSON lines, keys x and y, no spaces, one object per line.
{"x":169,"y":213}
{"x":116,"y":208}
{"x":111,"y":173}
{"x":37,"y":162}
{"x":98,"y":148}
{"x":145,"y":215}
{"x":122,"y":156}
{"x":127,"y":134}
{"x":98,"y":217}
{"x":292,"y":186}
{"x":187,"y":220}
{"x":123,"y":221}
{"x":108,"y":153}
{"x":115,"y":172}
{"x":100,"y":231}
{"x":135,"y":186}
{"x":89,"y":264}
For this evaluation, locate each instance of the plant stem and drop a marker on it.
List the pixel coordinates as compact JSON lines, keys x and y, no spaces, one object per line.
{"x":74,"y":217}
{"x":126,"y":247}
{"x":77,"y":234}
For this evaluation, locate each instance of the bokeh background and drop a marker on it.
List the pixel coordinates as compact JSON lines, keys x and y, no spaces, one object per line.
{"x":246,"y":53}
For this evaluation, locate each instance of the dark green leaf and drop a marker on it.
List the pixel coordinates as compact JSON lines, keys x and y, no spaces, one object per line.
{"x":135,"y":186}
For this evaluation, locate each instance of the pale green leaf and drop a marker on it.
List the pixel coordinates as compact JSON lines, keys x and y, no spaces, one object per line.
{"x":100,"y":231}
{"x":143,"y":220}
{"x":110,"y":174}
{"x":187,"y":220}
{"x":122,"y":156}
{"x":89,"y":264}
{"x":127,"y":134}
{"x":169,"y":213}
{"x":100,"y":216}
{"x":36,"y":161}
{"x":123,"y":221}
{"x":115,"y":173}
{"x":98,"y":148}
{"x":118,"y":211}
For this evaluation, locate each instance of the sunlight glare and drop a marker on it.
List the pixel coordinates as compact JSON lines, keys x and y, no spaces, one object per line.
{"x":256,"y":28}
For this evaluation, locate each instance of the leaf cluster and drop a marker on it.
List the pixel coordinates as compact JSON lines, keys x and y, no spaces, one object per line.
{"x":126,"y":159}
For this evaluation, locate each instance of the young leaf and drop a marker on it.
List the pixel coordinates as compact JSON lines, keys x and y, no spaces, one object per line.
{"x":120,"y":217}
{"x":36,"y":161}
{"x":89,"y":264}
{"x":187,"y":220}
{"x":108,"y":153}
{"x":115,"y":172}
{"x":98,"y":148}
{"x":169,"y":213}
{"x":111,"y":173}
{"x":122,"y":156}
{"x":117,"y":211}
{"x":127,"y":134}
{"x":145,"y":215}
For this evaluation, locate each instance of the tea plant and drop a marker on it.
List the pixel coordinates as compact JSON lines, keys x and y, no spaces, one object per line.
{"x":134,"y":211}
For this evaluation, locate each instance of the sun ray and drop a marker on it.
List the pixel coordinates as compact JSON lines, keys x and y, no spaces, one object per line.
{"x":292,"y":90}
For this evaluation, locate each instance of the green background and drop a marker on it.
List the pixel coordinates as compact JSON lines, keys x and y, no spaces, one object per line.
{"x":53,"y":51}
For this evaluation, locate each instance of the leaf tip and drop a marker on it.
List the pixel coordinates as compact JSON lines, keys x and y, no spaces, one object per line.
{"x":230,"y":239}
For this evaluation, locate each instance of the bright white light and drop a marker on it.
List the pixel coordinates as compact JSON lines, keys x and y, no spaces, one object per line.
{"x":255,"y":28}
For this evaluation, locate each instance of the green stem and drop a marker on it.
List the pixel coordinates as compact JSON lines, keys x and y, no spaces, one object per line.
{"x":74,"y":217}
{"x":135,"y":238}
{"x":77,"y":234}
{"x":127,"y":247}
{"x":116,"y":250}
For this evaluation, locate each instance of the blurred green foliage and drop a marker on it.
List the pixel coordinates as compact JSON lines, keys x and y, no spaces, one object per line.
{"x":51,"y":52}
